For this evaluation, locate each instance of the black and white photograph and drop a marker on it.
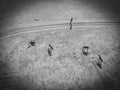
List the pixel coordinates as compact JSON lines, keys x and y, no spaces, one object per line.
{"x":59,"y":45}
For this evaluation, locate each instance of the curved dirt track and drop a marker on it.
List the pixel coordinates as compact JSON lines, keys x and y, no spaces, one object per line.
{"x":27,"y":67}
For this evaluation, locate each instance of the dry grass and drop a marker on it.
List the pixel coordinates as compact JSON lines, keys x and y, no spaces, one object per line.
{"x":67,"y":67}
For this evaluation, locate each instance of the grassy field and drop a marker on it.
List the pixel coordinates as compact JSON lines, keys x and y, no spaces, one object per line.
{"x":54,"y":60}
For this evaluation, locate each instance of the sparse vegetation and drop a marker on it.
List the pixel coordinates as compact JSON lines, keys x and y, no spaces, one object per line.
{"x":65,"y":65}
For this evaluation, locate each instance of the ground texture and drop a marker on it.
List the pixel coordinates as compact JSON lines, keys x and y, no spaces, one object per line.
{"x":56,"y":61}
